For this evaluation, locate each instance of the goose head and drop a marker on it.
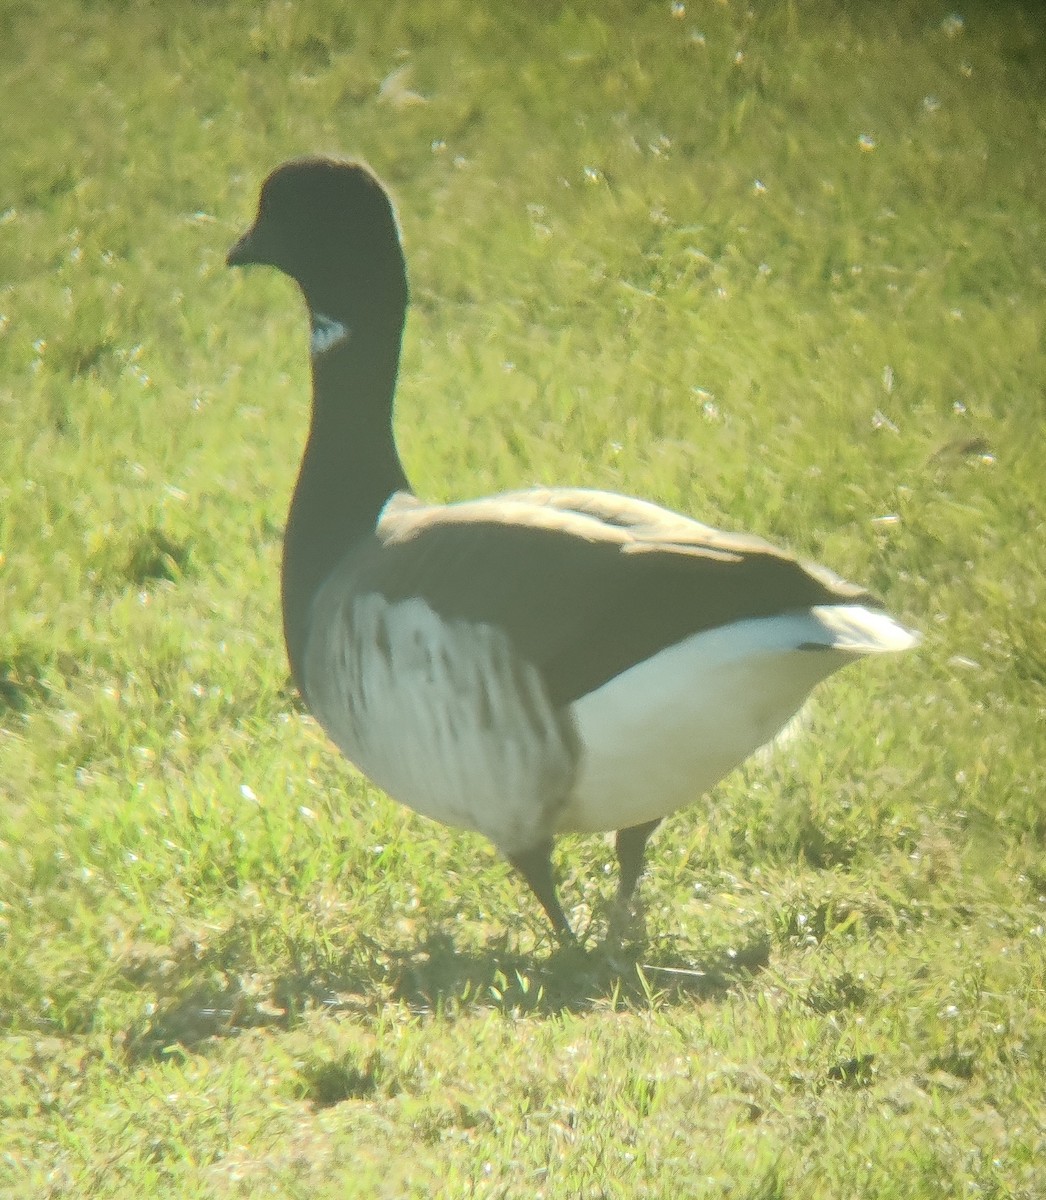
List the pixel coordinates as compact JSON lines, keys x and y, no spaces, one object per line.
{"x":330,"y":226}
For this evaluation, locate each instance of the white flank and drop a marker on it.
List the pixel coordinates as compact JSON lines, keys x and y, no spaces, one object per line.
{"x":443,"y":716}
{"x":326,"y":333}
{"x":659,"y":735}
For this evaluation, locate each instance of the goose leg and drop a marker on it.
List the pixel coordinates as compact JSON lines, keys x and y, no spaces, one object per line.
{"x":631,"y":852}
{"x":536,"y":868}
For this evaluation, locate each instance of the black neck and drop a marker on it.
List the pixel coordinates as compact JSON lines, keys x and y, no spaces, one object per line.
{"x":348,"y":471}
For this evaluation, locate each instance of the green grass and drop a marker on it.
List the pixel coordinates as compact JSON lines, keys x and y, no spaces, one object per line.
{"x":779,"y":268}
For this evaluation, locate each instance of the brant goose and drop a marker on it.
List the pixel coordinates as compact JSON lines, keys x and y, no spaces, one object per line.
{"x":532,"y":663}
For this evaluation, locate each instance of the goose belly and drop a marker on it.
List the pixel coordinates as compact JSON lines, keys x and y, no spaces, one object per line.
{"x":443,"y":716}
{"x":657,"y":736}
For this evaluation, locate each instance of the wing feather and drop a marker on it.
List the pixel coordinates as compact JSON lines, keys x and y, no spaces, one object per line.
{"x":586,"y":584}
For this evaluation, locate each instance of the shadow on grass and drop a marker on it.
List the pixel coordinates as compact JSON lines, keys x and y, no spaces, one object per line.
{"x":222,"y":990}
{"x":437,"y":977}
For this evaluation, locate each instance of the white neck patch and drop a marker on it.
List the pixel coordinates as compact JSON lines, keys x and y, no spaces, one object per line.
{"x":326,"y":334}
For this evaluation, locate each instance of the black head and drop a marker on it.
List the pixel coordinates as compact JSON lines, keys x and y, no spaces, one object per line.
{"x":329,"y":225}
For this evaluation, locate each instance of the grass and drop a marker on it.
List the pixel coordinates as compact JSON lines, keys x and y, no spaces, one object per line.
{"x":779,"y":267}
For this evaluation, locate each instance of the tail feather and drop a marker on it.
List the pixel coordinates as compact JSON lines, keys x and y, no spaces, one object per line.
{"x":855,"y":629}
